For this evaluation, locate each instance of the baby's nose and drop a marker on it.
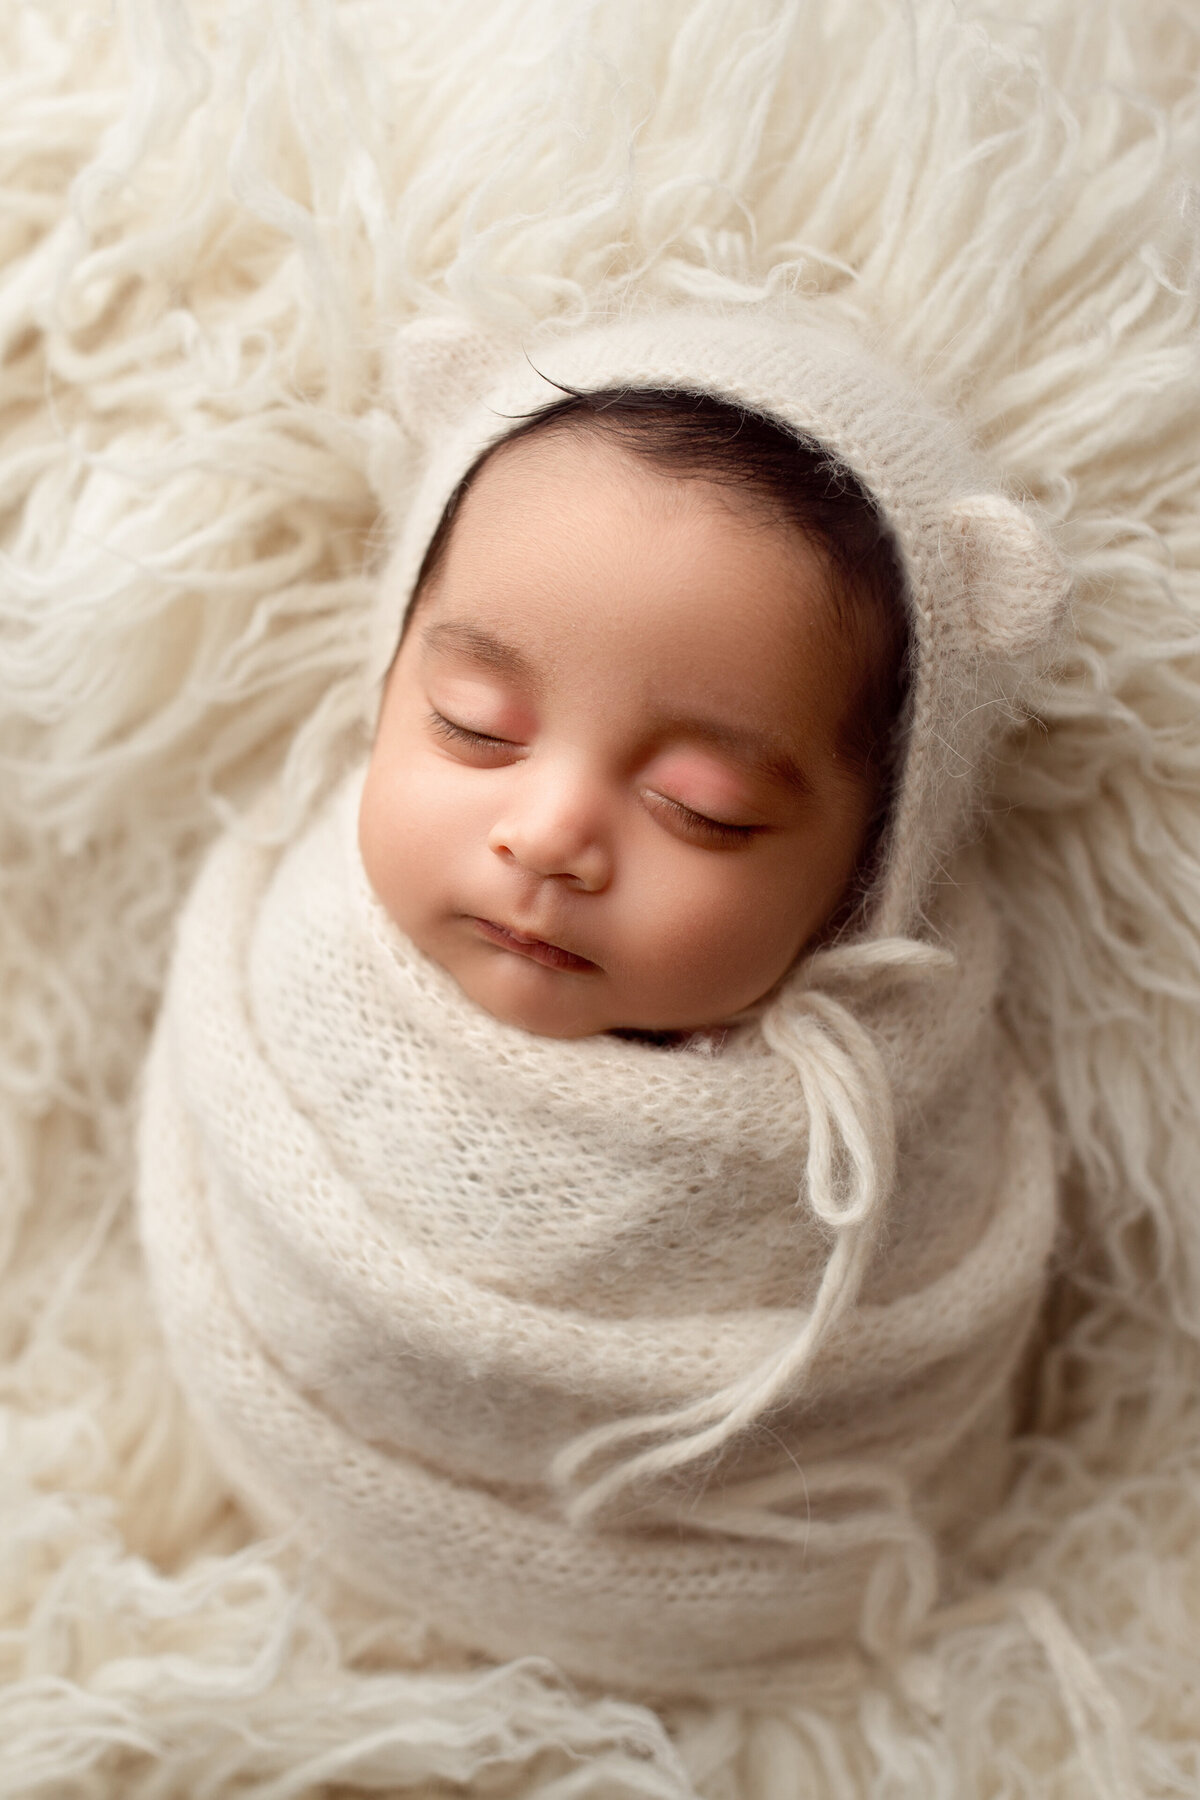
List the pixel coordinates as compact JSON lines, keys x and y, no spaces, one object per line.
{"x":555,"y":829}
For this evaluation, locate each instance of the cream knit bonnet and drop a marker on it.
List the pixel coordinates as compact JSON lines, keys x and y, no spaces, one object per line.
{"x":673,"y":1367}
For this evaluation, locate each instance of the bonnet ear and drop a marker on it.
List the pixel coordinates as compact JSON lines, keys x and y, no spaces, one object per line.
{"x":440,"y":365}
{"x":1015,"y":582}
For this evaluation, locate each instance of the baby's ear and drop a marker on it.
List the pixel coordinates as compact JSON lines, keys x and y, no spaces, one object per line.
{"x":1015,"y":582}
{"x":439,"y":365}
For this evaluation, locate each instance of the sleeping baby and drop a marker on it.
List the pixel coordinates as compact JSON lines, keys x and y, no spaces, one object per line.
{"x":588,"y":1187}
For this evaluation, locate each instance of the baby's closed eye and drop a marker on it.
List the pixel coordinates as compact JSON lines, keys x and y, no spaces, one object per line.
{"x":467,"y":737}
{"x":717,"y":832}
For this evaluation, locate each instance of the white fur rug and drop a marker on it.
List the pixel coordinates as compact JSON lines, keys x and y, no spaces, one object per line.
{"x":212,"y":218}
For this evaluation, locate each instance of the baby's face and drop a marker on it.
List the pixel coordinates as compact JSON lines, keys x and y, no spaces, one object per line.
{"x":606,"y":788}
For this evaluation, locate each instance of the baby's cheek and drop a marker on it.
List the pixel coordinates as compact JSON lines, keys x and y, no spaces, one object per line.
{"x":396,"y":841}
{"x":376,"y":845}
{"x":720,"y":926}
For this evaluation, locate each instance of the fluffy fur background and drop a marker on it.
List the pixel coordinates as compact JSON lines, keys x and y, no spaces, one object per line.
{"x":212,"y":218}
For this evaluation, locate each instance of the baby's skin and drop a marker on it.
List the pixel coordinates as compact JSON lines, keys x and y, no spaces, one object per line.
{"x":606,"y":790}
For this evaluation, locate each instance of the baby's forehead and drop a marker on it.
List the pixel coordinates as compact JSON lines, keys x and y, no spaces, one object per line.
{"x":581,"y":458}
{"x":677,"y":452}
{"x":582,"y":514}
{"x":551,"y":480}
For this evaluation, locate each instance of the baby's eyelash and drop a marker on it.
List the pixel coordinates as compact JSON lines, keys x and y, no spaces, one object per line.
{"x":719,"y":832}
{"x":462,"y":734}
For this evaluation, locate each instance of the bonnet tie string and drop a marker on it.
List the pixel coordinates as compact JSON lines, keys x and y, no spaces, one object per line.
{"x":850,"y":1166}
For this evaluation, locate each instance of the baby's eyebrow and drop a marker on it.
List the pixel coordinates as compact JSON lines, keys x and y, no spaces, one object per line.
{"x":480,"y":646}
{"x":760,"y":754}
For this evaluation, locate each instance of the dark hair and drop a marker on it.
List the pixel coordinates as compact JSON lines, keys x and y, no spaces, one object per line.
{"x":798,"y":483}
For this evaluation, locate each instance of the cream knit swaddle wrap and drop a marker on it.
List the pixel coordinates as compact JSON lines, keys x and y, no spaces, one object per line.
{"x":661,"y":1363}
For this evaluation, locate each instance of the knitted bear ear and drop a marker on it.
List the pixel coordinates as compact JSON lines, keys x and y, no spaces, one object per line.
{"x":1015,"y":582}
{"x":440,"y":364}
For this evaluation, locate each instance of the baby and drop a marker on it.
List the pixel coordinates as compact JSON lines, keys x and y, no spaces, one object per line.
{"x":637,"y":731}
{"x":677,"y":1368}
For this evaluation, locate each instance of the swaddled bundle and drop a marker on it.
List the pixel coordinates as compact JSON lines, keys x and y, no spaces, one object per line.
{"x":670,"y":1363}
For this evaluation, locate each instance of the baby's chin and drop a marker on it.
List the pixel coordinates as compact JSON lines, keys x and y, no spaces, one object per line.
{"x":568,"y":1005}
{"x":543,"y":1002}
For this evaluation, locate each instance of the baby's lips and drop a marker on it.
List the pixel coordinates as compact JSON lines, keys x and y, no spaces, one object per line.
{"x":539,"y":949}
